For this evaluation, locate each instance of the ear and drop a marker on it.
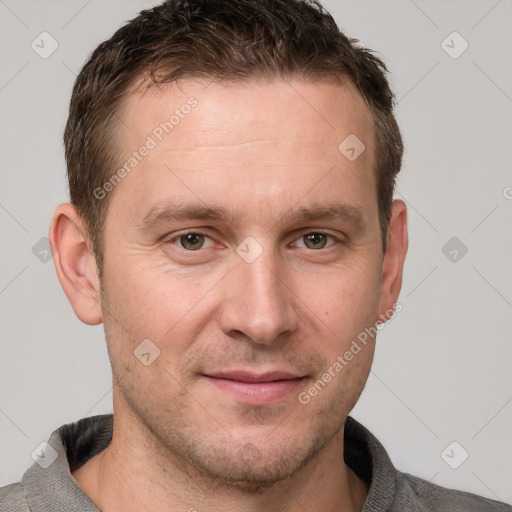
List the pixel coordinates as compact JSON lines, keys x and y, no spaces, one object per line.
{"x":75,"y":263}
{"x":394,"y":257}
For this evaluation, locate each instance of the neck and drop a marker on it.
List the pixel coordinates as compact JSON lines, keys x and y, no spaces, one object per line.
{"x":136,"y":473}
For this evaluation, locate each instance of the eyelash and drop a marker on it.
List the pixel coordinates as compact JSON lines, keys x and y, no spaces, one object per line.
{"x":175,"y":238}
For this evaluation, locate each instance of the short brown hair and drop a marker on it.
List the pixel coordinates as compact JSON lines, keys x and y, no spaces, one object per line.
{"x":220,"y":40}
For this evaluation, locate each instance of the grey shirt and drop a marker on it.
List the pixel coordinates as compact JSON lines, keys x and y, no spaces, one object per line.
{"x":48,"y":486}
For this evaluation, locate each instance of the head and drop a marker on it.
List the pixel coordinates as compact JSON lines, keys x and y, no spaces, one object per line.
{"x":231,"y":169}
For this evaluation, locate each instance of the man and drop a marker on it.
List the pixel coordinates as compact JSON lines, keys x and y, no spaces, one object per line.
{"x":231,"y":169}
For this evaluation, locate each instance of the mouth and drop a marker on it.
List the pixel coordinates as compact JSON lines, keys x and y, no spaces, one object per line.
{"x":255,"y":388}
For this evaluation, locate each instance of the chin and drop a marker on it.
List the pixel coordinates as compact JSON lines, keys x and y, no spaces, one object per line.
{"x":253,"y":468}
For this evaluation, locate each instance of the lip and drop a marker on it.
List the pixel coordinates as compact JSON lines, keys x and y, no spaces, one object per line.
{"x":245,"y":376}
{"x":255,"y":388}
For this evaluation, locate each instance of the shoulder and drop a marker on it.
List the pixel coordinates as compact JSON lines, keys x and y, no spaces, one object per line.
{"x":394,"y":491}
{"x":417,"y":494}
{"x":13,"y":499}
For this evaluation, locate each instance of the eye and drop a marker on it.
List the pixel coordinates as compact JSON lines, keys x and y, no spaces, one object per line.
{"x":316,"y":240}
{"x":192,"y":241}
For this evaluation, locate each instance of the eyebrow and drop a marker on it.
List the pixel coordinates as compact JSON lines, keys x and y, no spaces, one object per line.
{"x":168,"y":212}
{"x":335,"y":211}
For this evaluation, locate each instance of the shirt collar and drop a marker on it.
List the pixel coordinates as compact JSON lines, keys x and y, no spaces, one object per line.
{"x":53,"y":488}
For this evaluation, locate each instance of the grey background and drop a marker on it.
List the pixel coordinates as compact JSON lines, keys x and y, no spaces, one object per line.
{"x":442,"y":371}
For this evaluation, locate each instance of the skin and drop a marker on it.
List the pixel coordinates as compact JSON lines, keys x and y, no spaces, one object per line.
{"x":262,"y":151}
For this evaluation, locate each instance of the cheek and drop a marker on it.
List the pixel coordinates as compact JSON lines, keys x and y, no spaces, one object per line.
{"x":353,"y":371}
{"x":152,"y":302}
{"x":154,"y":298}
{"x":348,"y":300}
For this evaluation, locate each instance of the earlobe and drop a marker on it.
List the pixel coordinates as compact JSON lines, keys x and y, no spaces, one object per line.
{"x":394,"y":257}
{"x":75,"y":263}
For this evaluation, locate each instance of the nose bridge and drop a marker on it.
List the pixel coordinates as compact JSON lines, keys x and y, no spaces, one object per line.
{"x":262,"y":281}
{"x":260,"y":304}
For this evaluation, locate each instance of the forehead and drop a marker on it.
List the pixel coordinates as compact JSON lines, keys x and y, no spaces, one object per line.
{"x":257,"y":138}
{"x":316,"y":113}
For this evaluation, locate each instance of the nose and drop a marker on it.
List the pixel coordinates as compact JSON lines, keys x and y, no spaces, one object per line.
{"x":258,"y":303}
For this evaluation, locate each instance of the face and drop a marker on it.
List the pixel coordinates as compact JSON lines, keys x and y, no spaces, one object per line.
{"x":246,"y":247}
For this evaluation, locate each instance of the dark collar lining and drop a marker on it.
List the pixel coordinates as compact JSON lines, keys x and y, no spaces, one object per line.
{"x":86,"y":438}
